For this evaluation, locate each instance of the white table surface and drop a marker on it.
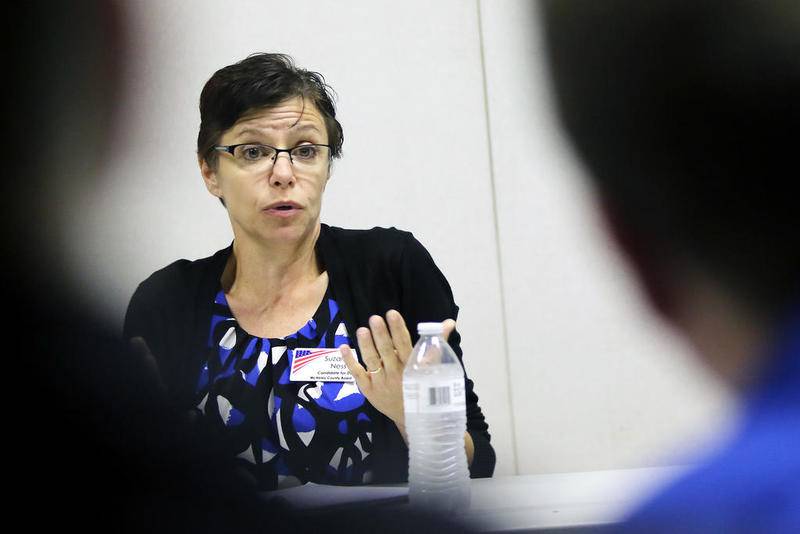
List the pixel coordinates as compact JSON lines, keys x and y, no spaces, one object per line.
{"x":562,"y":500}
{"x":513,"y":503}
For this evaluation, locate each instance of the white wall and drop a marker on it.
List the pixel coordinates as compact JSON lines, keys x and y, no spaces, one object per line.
{"x":449,"y":133}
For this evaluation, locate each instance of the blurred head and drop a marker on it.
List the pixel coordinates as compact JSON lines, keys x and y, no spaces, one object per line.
{"x":256,"y":83}
{"x":60,"y":129}
{"x":687,"y":114}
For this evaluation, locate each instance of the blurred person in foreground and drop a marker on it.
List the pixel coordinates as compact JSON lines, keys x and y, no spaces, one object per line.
{"x":687,"y":115}
{"x":94,"y":443}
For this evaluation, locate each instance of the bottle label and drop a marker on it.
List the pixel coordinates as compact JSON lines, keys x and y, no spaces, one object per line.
{"x":434,"y":397}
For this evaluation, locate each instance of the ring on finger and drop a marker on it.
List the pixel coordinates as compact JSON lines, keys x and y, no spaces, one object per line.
{"x":375,"y":371}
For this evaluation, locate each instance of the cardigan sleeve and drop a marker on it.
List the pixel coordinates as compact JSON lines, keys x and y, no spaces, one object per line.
{"x":146,"y":318}
{"x":143,"y":317}
{"x":156,"y":313}
{"x":426,"y":296}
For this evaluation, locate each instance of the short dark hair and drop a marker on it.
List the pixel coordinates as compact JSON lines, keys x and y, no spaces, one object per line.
{"x":688,"y":115}
{"x":260,"y":81}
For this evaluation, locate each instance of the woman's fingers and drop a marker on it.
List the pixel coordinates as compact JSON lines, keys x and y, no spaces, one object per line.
{"x":356,"y":369}
{"x":384,"y":343}
{"x":369,"y":354}
{"x":449,"y":326}
{"x":385,"y":347}
{"x":401,"y":339}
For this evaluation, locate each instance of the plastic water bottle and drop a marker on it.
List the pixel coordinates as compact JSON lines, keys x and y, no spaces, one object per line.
{"x":436,"y":419}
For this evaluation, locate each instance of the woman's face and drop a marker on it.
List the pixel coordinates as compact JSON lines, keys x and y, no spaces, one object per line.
{"x":279,"y":204}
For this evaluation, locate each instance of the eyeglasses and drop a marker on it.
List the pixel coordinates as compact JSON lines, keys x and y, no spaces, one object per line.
{"x":261,"y":158}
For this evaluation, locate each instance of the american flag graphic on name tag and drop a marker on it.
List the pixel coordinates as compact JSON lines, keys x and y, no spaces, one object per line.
{"x":303,"y":357}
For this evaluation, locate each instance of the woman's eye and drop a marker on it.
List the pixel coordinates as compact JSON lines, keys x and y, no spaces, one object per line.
{"x":253,"y":152}
{"x":305,"y":152}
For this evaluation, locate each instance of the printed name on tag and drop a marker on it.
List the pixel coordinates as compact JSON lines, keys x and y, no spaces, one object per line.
{"x":319,"y":365}
{"x":422,"y":397}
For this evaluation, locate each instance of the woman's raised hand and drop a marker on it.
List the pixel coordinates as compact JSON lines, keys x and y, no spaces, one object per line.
{"x":385,"y":347}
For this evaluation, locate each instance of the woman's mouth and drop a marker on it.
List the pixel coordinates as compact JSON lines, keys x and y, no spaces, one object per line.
{"x":283,"y":209}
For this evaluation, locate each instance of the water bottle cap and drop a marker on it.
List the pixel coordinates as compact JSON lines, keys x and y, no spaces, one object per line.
{"x":430,"y":329}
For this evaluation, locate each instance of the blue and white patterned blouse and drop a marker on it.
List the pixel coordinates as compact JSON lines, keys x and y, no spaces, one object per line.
{"x":286,"y":432}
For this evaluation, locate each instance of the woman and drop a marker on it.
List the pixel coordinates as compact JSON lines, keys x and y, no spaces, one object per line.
{"x":231,"y":331}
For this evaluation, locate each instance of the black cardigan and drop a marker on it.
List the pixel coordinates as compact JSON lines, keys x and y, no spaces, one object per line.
{"x":370,"y":271}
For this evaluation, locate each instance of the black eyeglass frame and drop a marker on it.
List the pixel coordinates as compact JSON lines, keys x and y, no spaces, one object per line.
{"x":231,"y":148}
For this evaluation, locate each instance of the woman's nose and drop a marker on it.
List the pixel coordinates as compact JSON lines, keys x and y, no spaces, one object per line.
{"x":282,"y":171}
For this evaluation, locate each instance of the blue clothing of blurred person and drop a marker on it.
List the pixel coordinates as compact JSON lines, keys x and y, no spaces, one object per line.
{"x":688,"y":118}
{"x":753,"y":483}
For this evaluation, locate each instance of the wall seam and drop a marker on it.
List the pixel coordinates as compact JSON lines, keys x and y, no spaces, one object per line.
{"x":498,"y":255}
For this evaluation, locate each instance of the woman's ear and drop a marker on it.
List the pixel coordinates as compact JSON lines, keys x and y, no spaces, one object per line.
{"x":209,"y":174}
{"x":327,"y":178}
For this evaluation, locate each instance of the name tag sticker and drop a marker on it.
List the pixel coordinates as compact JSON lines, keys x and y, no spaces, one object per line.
{"x":319,"y":365}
